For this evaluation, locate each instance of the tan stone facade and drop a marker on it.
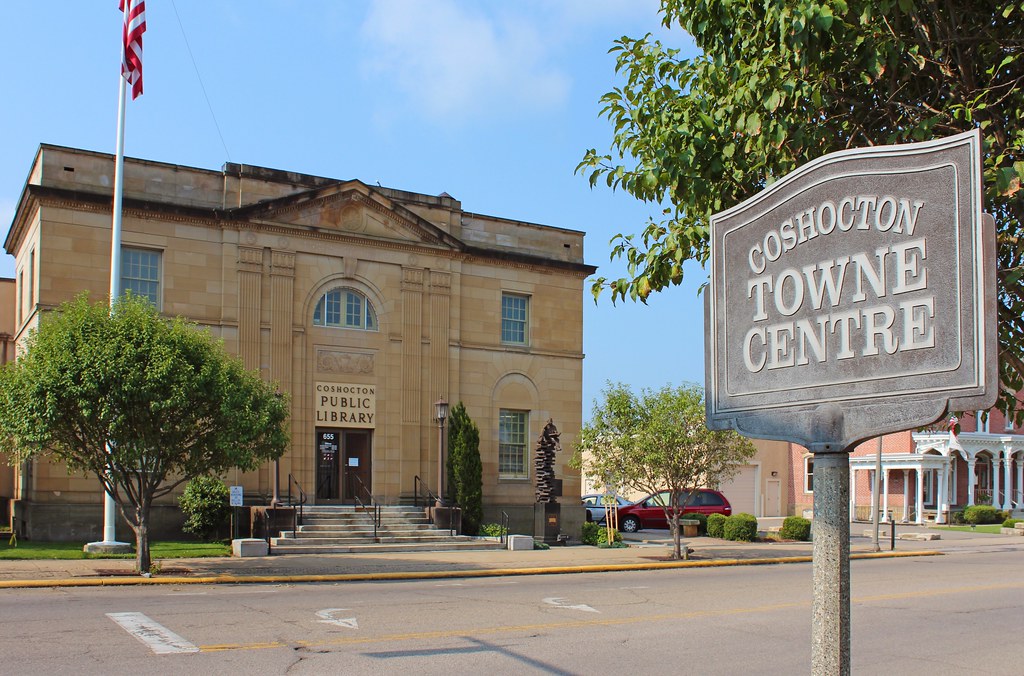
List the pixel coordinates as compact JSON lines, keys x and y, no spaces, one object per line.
{"x":380,"y":300}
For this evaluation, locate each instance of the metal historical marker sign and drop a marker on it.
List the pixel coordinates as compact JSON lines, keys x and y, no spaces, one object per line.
{"x":854,"y":297}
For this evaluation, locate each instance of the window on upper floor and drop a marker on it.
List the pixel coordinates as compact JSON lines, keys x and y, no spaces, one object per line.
{"x":515,"y":317}
{"x":140,"y":273}
{"x":982,"y":419}
{"x":512,"y":426}
{"x":809,"y":474}
{"x":345,"y":309}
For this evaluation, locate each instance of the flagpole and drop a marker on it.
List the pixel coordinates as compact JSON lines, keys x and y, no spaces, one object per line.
{"x":109,"y":542}
{"x":109,"y":506}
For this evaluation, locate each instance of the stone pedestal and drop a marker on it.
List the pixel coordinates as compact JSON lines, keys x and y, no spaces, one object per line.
{"x":107,"y":548}
{"x":547,"y":522}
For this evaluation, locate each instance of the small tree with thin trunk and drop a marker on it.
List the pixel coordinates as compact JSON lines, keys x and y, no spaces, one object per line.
{"x":142,"y":402}
{"x":658,"y":441}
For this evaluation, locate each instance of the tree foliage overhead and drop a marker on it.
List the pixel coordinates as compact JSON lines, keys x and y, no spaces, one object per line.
{"x":657,"y":441}
{"x":779,"y":84}
{"x":139,"y":401}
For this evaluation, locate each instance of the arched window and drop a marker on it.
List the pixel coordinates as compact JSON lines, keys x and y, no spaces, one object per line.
{"x":346,"y":309}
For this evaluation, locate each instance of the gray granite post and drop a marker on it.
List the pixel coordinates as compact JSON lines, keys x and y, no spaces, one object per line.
{"x":830,"y":623}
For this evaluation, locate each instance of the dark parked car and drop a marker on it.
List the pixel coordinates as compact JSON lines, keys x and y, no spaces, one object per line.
{"x":596,"y":508}
{"x":648,"y":513}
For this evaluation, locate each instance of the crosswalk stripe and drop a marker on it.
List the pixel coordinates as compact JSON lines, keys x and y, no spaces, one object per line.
{"x":160,"y":639}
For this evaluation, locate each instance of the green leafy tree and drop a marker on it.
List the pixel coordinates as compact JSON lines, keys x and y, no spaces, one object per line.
{"x":778,"y":84}
{"x":465,"y":470}
{"x":141,"y":402}
{"x":657,"y":441}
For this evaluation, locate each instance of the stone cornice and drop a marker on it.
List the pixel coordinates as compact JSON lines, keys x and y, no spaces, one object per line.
{"x":220,"y":218}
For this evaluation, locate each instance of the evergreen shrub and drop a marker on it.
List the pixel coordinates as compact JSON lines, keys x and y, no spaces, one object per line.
{"x":741,"y":527}
{"x":207,"y":505}
{"x":979,"y":514}
{"x":795,"y":528}
{"x":716,"y":525}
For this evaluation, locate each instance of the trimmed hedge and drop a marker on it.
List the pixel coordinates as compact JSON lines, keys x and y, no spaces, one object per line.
{"x":741,"y":527}
{"x":979,"y":514}
{"x":796,"y":528}
{"x":716,"y":525}
{"x":1010,"y":523}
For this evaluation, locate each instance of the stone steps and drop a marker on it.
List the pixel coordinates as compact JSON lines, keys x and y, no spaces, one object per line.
{"x":340,"y":529}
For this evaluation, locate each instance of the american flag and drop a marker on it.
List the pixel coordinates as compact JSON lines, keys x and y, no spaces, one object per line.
{"x":131,"y":53}
{"x":953,"y":422}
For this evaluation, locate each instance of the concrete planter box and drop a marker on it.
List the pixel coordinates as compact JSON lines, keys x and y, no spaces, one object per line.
{"x":520,"y":543}
{"x":244,"y":547}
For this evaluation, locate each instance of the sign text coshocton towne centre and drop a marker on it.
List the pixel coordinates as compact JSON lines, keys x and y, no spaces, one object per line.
{"x":859,"y":277}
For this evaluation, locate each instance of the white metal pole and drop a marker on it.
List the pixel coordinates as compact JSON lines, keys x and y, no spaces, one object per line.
{"x":109,"y":507}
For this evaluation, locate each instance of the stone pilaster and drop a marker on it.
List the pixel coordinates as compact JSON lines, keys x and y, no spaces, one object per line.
{"x":250,"y":282}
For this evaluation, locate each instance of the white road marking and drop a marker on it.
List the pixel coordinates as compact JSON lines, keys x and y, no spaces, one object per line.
{"x":560,"y":603}
{"x":327,"y":617}
{"x":160,"y":639}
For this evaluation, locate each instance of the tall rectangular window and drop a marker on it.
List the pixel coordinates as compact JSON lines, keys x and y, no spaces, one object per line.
{"x":512,"y":426}
{"x":140,"y":273}
{"x":809,"y":474}
{"x":515,"y":315}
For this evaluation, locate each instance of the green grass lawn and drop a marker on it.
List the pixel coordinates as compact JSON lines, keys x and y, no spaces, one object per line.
{"x":73,"y":550}
{"x":986,"y":528}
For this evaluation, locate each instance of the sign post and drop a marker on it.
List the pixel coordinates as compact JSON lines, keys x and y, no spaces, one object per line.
{"x":852,"y":298}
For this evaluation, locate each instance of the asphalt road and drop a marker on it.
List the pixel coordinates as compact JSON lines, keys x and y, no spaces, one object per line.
{"x":953,"y":614}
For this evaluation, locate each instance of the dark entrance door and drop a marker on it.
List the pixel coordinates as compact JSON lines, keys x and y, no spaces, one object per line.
{"x":356,"y":469}
{"x":328,"y":464}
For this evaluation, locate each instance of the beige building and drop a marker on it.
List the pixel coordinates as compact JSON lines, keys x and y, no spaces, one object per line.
{"x":365,"y":304}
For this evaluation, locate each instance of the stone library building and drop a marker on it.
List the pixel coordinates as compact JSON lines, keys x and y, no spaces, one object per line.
{"x":365,"y":304}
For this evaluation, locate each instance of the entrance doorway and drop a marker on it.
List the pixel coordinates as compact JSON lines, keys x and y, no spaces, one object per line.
{"x":344,"y":468}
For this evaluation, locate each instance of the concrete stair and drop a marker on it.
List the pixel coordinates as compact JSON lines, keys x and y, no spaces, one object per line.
{"x":343,"y":529}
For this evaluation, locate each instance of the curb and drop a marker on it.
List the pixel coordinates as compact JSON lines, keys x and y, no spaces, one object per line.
{"x":125,"y":581}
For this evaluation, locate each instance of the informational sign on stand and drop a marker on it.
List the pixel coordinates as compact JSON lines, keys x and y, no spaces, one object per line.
{"x":235,"y":494}
{"x":852,"y":298}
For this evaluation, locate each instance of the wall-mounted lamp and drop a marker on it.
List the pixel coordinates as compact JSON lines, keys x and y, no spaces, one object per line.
{"x":775,"y":473}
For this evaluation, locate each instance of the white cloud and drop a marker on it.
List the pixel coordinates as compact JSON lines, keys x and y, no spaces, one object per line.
{"x":458,"y":59}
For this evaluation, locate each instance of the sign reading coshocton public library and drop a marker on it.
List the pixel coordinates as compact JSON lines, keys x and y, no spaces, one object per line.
{"x":854,"y":297}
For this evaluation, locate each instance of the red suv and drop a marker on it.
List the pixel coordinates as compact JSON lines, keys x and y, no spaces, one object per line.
{"x":648,"y":513}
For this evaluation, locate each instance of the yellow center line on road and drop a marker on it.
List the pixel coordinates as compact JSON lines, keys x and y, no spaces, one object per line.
{"x":606,"y":622}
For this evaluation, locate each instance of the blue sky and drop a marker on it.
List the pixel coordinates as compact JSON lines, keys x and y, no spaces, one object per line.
{"x":492,"y":102}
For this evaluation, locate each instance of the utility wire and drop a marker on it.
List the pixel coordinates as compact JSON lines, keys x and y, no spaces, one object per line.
{"x":200,"y":78}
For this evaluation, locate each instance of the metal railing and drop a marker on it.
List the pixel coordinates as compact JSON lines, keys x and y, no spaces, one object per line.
{"x":504,"y":527}
{"x":372,"y":506}
{"x":300,"y":499}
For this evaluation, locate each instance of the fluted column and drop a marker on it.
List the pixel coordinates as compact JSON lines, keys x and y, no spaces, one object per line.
{"x":970,"y":480}
{"x":1007,"y":480}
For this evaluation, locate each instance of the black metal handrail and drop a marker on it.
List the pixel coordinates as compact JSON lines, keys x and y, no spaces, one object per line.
{"x":377,"y":511}
{"x":418,"y":484}
{"x":504,"y":528}
{"x":300,"y":497}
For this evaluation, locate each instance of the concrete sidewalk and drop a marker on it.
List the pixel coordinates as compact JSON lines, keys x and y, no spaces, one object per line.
{"x":647,"y":550}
